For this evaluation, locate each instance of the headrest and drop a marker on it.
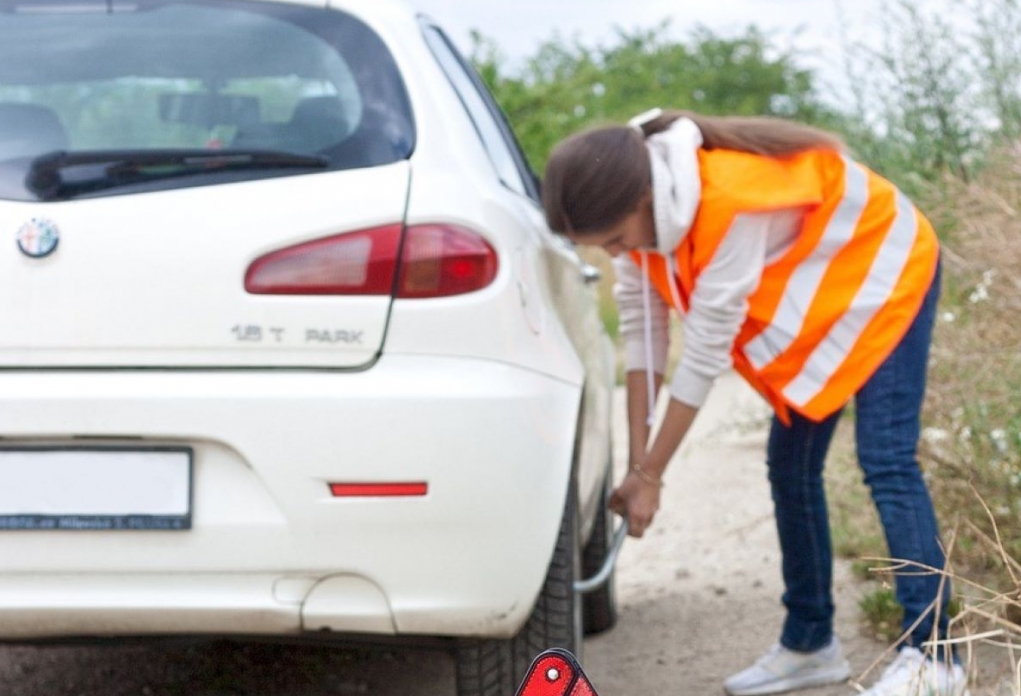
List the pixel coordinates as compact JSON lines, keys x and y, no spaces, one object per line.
{"x":29,"y":129}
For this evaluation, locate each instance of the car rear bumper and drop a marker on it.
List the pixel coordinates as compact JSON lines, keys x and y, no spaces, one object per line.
{"x":271,"y":550}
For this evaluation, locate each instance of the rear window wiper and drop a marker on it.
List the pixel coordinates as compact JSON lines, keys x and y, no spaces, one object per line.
{"x":63,"y":175}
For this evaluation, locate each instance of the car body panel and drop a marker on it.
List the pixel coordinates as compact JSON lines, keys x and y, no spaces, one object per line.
{"x":556,"y":303}
{"x":480,"y":433}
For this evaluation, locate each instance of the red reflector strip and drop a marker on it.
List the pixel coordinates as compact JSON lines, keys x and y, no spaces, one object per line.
{"x":379,"y":490}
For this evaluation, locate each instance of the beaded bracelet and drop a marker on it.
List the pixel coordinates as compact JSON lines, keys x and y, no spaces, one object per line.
{"x":644,"y":476}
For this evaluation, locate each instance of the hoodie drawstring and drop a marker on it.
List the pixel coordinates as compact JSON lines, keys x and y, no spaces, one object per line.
{"x":647,"y":305}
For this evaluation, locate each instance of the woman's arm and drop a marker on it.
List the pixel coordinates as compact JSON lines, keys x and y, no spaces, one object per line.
{"x":638,"y":401}
{"x":637,"y":497}
{"x":629,"y":293}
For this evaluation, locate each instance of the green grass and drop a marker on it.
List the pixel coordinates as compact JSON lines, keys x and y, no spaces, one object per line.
{"x":882,"y":614}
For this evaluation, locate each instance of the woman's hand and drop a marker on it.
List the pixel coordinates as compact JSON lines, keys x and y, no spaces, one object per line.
{"x":637,"y":501}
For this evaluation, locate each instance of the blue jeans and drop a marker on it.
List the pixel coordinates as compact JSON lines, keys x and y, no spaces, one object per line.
{"x":886,"y":432}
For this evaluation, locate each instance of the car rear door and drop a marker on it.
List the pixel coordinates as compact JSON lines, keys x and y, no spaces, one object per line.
{"x":158,"y":279}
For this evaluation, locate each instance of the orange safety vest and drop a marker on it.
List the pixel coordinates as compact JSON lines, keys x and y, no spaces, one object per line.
{"x":829,"y":311}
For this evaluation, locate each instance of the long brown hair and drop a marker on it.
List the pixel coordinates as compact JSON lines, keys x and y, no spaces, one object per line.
{"x":759,"y":135}
{"x":596,"y":177}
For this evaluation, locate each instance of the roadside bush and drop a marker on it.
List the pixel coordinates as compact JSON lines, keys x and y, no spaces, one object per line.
{"x":971,"y":445}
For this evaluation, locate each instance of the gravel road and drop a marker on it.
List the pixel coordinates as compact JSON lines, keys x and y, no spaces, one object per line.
{"x":699,"y":599}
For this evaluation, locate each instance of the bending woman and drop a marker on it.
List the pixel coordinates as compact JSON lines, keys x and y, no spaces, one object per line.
{"x":817,"y":281}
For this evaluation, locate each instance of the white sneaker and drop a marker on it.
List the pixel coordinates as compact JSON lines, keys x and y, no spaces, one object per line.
{"x":781,"y":669}
{"x":913,"y":674}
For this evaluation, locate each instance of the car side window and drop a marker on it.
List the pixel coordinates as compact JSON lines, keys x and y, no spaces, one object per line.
{"x":490,"y":124}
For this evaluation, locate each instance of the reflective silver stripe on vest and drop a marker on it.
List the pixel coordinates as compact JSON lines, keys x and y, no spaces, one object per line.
{"x":886,"y":270}
{"x":804,"y":282}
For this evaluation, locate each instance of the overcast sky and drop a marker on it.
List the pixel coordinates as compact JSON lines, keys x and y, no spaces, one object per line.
{"x":811,"y":26}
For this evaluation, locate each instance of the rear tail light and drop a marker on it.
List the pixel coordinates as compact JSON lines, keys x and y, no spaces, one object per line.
{"x":435,"y":261}
{"x":442,"y":260}
{"x":356,"y":263}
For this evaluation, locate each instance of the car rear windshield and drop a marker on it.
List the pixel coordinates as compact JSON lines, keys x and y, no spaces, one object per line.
{"x":92,"y":88}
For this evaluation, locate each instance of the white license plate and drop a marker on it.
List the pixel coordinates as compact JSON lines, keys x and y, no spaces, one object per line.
{"x":95,"y":488}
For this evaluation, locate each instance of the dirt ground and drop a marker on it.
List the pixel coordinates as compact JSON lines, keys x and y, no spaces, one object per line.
{"x":699,"y":599}
{"x":700,"y":594}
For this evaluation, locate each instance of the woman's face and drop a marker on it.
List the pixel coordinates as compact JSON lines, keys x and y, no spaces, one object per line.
{"x":636,"y":230}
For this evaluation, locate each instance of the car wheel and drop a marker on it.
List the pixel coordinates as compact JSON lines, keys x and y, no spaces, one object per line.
{"x":599,"y":607}
{"x":495,"y":667}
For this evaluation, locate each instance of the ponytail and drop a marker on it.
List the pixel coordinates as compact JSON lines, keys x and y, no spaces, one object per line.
{"x":758,"y":135}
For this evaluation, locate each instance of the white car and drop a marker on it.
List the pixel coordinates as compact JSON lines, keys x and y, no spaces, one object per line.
{"x":286,"y":349}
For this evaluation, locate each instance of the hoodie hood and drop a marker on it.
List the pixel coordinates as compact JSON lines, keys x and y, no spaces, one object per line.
{"x":676,"y":182}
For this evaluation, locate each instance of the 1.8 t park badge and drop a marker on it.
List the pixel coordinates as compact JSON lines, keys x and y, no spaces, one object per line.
{"x":38,"y":238}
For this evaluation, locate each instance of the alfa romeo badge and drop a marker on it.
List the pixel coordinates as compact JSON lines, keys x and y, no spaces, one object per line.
{"x":38,"y":238}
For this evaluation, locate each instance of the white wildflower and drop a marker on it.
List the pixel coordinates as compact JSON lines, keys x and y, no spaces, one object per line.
{"x":934,"y":435}
{"x":999,"y":438}
{"x":599,"y":89}
{"x":579,"y":110}
{"x":981,"y":291}
{"x":948,"y":317}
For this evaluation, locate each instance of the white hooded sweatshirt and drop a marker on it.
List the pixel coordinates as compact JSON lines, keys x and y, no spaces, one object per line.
{"x":719,"y":301}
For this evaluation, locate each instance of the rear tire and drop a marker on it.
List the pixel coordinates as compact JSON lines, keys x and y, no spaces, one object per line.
{"x":495,"y":667}
{"x":484,"y":667}
{"x":599,"y":607}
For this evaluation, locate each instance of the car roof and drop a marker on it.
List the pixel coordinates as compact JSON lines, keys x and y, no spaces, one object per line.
{"x":384,"y":12}
{"x":357,"y":7}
